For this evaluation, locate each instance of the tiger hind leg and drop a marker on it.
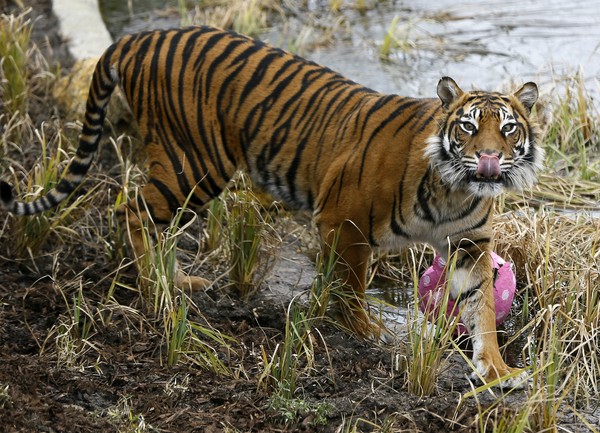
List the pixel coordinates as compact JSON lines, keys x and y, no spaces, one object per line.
{"x":353,"y":258}
{"x":141,"y":218}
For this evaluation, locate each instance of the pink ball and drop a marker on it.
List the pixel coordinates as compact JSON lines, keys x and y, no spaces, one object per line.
{"x":433,"y":282}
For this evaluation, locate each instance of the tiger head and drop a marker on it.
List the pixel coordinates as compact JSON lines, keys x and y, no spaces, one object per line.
{"x":486,"y":143}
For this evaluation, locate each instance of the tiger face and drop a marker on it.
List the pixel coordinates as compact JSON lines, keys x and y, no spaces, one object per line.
{"x":487,"y":143}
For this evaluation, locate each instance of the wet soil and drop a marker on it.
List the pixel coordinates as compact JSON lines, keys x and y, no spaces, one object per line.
{"x":122,"y":377}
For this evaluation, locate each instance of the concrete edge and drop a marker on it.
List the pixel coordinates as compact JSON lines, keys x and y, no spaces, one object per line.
{"x":82,"y":27}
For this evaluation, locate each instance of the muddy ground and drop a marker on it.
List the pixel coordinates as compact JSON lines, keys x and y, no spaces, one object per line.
{"x":120,"y":381}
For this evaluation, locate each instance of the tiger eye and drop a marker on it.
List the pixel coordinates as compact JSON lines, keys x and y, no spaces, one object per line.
{"x":468,"y":126}
{"x":509,"y":128}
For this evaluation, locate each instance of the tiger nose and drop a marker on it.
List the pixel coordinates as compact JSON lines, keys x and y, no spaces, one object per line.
{"x":488,"y":165}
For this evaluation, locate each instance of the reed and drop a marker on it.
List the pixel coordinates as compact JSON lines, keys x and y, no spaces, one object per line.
{"x":15,"y":38}
{"x":429,"y":340}
{"x":248,"y":230}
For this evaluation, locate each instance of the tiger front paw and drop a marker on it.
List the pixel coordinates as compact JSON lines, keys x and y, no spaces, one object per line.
{"x":506,"y":376}
{"x":359,"y":322}
{"x":190,"y":282}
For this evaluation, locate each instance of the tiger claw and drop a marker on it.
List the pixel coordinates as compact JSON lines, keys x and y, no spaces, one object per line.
{"x":506,"y":378}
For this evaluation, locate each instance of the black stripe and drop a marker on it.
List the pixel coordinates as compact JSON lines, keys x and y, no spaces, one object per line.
{"x":280,"y":133}
{"x":371,"y":236}
{"x":138,"y":73}
{"x":380,"y":102}
{"x":210,"y":70}
{"x":211,"y":145}
{"x":6,"y":193}
{"x":78,"y":168}
{"x":423,"y":197}
{"x":259,"y":73}
{"x":161,"y":91}
{"x":224,"y":114}
{"x":293,"y":169}
{"x":325,"y":199}
{"x":168,"y":195}
{"x":51,"y":200}
{"x":392,"y":116}
{"x":428,"y":119}
{"x":396,"y":229}
{"x":417,"y":115}
{"x":198,"y":66}
{"x":341,"y":183}
{"x":91,"y":130}
{"x":477,"y":225}
{"x":255,"y":118}
{"x":86,"y":147}
{"x":276,"y":144}
{"x":38,"y":206}
{"x":464,"y":212}
{"x":65,"y":186}
{"x":466,"y":294}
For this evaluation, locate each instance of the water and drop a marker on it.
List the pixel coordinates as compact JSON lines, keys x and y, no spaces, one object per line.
{"x":122,"y":17}
{"x":480,"y":43}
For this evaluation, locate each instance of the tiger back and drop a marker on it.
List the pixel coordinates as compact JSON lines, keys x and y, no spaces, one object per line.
{"x":376,"y":170}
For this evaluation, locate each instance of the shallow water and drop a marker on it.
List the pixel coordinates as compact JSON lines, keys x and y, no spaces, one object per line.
{"x":479,"y":43}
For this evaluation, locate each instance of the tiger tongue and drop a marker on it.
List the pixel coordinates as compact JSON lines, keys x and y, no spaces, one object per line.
{"x":488,"y":166}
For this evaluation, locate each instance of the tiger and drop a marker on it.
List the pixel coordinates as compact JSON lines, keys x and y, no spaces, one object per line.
{"x":377,"y":171}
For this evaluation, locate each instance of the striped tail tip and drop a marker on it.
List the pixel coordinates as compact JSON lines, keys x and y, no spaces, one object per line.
{"x":6,"y":194}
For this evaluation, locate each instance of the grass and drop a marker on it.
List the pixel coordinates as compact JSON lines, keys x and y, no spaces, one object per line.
{"x":282,"y":369}
{"x":15,"y":37}
{"x":430,"y":338}
{"x":248,"y":17}
{"x":74,"y":334}
{"x":170,"y":305}
{"x":196,"y":343}
{"x":397,"y":38}
{"x":21,"y":65}
{"x":214,"y":232}
{"x":291,"y":409}
{"x":326,"y":283}
{"x":32,"y":232}
{"x":553,"y":243}
{"x":248,"y":227}
{"x":129,"y":421}
{"x":292,"y":359}
{"x":572,"y":139}
{"x":5,"y":398}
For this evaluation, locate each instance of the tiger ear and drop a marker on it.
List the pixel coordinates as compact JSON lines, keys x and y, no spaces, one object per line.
{"x":448,"y":91}
{"x":528,"y":95}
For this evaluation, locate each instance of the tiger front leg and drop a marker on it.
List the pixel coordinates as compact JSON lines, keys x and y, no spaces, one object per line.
{"x":471,"y":282}
{"x":140,"y":231}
